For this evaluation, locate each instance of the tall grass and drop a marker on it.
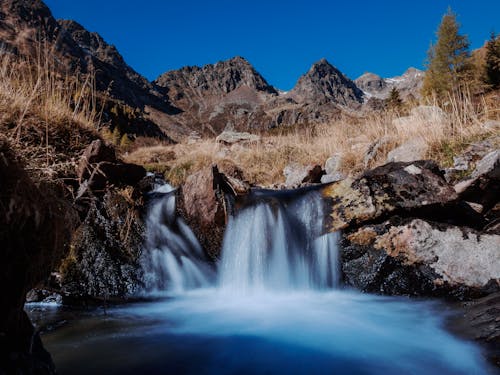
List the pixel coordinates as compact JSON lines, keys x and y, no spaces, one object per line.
{"x":46,"y":113}
{"x":457,"y":123}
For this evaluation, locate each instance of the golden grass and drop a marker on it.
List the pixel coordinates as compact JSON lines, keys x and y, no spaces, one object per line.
{"x":263,"y":162}
{"x":47,"y":115}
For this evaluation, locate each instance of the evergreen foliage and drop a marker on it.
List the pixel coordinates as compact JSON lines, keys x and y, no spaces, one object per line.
{"x":492,"y":62}
{"x":448,"y":65}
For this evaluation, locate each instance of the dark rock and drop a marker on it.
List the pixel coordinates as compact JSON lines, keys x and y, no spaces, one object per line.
{"x":35,"y":229}
{"x":400,"y":187}
{"x":207,"y":199}
{"x":95,"y":153}
{"x":422,"y":259}
{"x":105,"y":250}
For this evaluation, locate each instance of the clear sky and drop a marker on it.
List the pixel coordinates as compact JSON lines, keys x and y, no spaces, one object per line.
{"x":281,"y":38}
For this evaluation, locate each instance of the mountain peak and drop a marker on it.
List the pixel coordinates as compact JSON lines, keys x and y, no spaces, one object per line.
{"x":324,"y":83}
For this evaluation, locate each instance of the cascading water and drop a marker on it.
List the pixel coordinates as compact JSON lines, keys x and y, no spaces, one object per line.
{"x":278,"y":243}
{"x":275,"y":310}
{"x":173,"y":260}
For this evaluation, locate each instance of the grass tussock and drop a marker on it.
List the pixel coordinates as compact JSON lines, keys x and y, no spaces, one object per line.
{"x":447,"y":131}
{"x":47,"y":116}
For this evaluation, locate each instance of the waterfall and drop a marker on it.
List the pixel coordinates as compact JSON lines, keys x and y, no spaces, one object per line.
{"x":278,"y":242}
{"x":172,"y":260}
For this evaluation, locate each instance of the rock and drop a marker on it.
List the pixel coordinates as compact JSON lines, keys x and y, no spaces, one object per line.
{"x":98,"y":167}
{"x":297,"y":174}
{"x":327,"y":178}
{"x":421,"y":258}
{"x":232,"y":137}
{"x":373,"y":150}
{"x":333,"y":164}
{"x":207,"y":199}
{"x":95,"y":153}
{"x":483,"y":186}
{"x":36,"y":223}
{"x":105,"y":248}
{"x":376,"y":87}
{"x":414,"y":149}
{"x":383,"y":190}
{"x":480,"y":320}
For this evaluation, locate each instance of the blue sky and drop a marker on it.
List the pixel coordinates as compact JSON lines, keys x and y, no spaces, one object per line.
{"x":281,"y":38}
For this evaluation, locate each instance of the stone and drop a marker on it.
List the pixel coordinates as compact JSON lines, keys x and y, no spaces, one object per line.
{"x":373,"y":150}
{"x":327,"y":178}
{"x":296,"y":174}
{"x":231,"y":137}
{"x":333,"y":164}
{"x":414,"y":149}
{"x":383,"y":190}
{"x":95,"y":153}
{"x":422,"y":258}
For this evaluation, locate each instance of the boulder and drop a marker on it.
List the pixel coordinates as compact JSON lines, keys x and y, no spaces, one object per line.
{"x":333,"y":164}
{"x":422,"y":258}
{"x":96,"y":152}
{"x":208,"y":197}
{"x":229,"y":137}
{"x":297,"y":174}
{"x":483,"y":186}
{"x":394,"y":187}
{"x":414,"y":149}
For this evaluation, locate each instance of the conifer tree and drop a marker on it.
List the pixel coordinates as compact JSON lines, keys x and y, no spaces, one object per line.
{"x":492,"y":62}
{"x":448,"y":64}
{"x":394,"y":100}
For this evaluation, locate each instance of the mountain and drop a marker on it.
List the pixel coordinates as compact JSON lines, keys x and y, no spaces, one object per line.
{"x":232,"y":94}
{"x":27,"y":28}
{"x":203,"y":100}
{"x":408,"y":84}
{"x":324,"y":83}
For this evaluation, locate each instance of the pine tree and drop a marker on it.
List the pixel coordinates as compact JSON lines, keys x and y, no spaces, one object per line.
{"x":448,"y":64}
{"x":394,"y":100}
{"x":492,"y":62}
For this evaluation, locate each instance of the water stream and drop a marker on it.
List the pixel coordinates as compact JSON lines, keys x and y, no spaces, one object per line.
{"x":275,"y":307}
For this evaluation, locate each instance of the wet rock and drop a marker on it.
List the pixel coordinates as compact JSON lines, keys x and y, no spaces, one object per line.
{"x":207,"y":198}
{"x":105,"y":249}
{"x":414,"y":149}
{"x":384,"y":190}
{"x":422,"y":258}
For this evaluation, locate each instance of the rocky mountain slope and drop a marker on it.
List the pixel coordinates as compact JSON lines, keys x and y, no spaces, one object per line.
{"x":408,"y":84}
{"x":202,"y":100}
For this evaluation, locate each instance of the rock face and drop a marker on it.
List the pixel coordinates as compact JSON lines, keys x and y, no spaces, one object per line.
{"x":408,"y":84}
{"x":35,"y":229}
{"x":422,"y":258}
{"x":385,"y":190}
{"x":406,"y":231}
{"x":326,"y":84}
{"x":26,"y":25}
{"x":207,"y":199}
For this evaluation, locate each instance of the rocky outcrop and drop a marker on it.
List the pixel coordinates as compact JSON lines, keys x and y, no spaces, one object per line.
{"x":376,"y":87}
{"x":35,"y":230}
{"x":407,"y":231}
{"x":421,"y":258}
{"x":208,"y":197}
{"x":228,"y":137}
{"x":324,"y":83}
{"x":386,"y":190}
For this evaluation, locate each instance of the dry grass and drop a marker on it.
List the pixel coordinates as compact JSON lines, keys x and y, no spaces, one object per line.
{"x":263,"y":162}
{"x":48,"y":116}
